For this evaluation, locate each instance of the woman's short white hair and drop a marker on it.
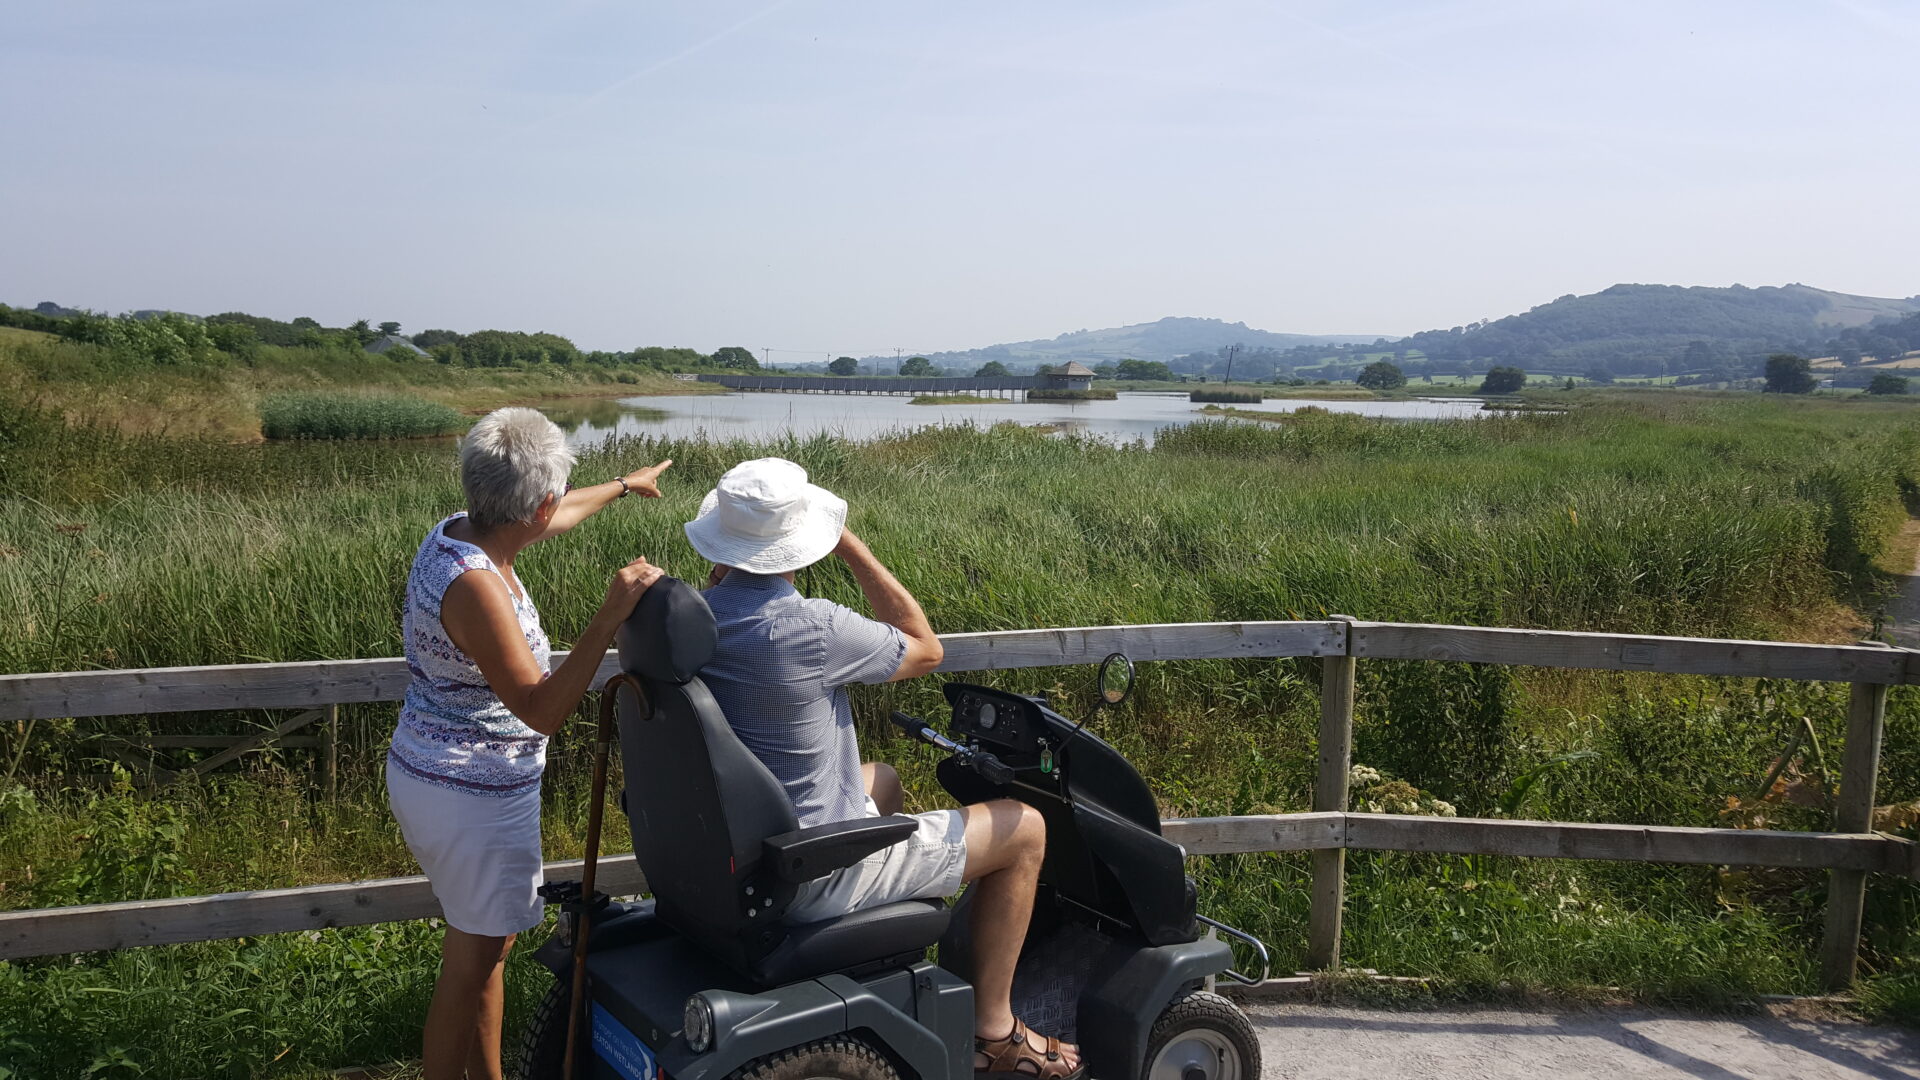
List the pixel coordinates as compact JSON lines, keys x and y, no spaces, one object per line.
{"x":509,"y":463}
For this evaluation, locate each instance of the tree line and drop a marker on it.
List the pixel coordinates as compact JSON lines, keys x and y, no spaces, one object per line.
{"x":168,"y":338}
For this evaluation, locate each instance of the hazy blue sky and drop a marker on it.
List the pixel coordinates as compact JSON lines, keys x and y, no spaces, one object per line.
{"x":854,"y":177}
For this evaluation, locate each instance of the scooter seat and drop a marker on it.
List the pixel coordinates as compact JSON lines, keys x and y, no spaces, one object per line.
{"x":863,"y":938}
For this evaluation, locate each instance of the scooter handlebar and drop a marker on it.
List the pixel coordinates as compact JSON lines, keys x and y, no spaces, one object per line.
{"x":990,"y":768}
{"x":912,"y":725}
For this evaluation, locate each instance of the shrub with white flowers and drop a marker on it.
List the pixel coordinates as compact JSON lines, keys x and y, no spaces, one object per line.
{"x":1377,"y":792}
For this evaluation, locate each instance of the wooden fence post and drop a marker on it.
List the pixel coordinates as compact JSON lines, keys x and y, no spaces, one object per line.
{"x":1852,"y":813}
{"x":330,"y":753}
{"x":1330,"y":795}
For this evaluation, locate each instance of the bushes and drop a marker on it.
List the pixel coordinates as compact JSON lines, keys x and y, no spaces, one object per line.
{"x":1502,"y":380}
{"x":349,"y":416}
{"x":1227,"y":397}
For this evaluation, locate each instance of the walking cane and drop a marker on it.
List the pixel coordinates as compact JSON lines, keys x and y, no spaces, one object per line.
{"x":602,"y":745}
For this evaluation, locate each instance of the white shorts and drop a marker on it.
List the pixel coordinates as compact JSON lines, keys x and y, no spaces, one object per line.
{"x":481,"y":854}
{"x":928,"y":865}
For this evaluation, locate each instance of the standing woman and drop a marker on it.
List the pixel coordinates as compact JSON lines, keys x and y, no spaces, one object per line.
{"x":463,"y":773}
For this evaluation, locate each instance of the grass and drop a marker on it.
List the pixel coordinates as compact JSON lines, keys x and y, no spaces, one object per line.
{"x":1656,"y":512}
{"x":355,"y":416}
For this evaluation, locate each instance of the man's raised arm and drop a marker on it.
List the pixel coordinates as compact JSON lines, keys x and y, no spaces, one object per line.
{"x":894,"y":605}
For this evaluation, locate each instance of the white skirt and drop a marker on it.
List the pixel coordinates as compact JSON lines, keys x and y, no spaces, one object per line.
{"x":480,"y":853}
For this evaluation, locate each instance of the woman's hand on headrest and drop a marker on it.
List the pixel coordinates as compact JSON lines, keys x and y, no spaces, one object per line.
{"x":629,"y":583}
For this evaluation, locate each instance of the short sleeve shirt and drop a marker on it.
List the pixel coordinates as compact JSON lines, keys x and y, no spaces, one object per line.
{"x":780,"y":674}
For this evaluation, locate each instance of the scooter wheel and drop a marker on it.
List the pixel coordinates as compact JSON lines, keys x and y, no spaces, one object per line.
{"x":543,"y":1049}
{"x":1202,"y":1036}
{"x":839,"y":1058}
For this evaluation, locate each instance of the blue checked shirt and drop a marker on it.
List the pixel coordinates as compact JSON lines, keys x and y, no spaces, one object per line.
{"x":780,"y":676}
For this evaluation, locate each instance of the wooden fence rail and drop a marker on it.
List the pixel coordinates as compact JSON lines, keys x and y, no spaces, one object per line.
{"x":1848,"y":854}
{"x":55,"y":931}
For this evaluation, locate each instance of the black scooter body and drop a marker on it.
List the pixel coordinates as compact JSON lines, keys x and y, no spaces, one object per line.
{"x":1113,"y":943}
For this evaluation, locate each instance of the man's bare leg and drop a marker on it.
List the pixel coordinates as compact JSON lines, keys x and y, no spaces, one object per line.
{"x":1006,"y":843}
{"x":883,"y":786}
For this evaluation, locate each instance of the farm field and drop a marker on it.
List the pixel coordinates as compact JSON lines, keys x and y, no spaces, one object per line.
{"x":1654,"y":513}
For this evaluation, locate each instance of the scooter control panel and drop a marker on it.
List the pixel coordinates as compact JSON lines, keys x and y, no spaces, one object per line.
{"x":995,"y":717}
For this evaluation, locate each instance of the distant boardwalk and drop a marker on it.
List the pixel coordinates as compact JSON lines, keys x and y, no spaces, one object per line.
{"x":803,"y":384}
{"x":1072,"y":377}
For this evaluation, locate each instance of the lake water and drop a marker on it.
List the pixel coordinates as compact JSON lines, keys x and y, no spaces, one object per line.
{"x":863,"y":416}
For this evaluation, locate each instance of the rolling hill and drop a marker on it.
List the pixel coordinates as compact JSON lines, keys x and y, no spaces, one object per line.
{"x":1163,"y":340}
{"x":1651,"y":329}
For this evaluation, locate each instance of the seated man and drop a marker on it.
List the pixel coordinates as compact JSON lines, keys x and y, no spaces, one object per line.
{"x":780,"y":676}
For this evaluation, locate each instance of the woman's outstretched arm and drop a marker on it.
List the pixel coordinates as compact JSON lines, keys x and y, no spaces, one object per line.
{"x":582,"y":503}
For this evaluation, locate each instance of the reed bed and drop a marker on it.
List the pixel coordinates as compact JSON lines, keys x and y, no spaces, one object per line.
{"x":1690,"y":515}
{"x":353,"y":416}
{"x":1094,"y":394}
{"x":1227,"y":397}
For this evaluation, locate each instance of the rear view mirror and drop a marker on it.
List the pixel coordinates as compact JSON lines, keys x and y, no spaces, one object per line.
{"x":1116,"y":679}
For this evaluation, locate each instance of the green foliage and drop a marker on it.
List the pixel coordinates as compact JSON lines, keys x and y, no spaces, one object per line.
{"x":992,"y":369}
{"x":30,"y":320}
{"x":1790,"y":374}
{"x":353,"y":416}
{"x":1381,"y":375}
{"x":505,"y":348}
{"x":1227,"y":397}
{"x":1502,"y":380}
{"x":1514,"y":798}
{"x":1143,"y":370}
{"x":1444,"y":728}
{"x":667,"y":359}
{"x":844,"y":365}
{"x":918,"y":365}
{"x":129,"y":849}
{"x":235,"y":339}
{"x":735,"y":358}
{"x":164,"y":339}
{"x":1887,"y":383}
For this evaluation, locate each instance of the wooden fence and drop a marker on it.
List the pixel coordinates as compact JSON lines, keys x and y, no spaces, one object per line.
{"x":1849,"y":854}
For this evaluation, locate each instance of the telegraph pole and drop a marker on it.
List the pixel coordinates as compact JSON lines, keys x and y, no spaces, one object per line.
{"x":1231,"y":350}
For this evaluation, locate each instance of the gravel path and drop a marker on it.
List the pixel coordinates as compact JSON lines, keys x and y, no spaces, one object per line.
{"x":1342,"y":1043}
{"x":1903,"y":610}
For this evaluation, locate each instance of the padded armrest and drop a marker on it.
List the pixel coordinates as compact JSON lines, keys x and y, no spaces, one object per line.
{"x":806,"y":854}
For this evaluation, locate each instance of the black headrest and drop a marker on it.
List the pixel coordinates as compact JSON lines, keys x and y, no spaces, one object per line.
{"x":670,"y":634}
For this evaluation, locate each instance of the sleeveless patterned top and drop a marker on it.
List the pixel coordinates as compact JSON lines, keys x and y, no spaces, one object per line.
{"x":453,"y":731}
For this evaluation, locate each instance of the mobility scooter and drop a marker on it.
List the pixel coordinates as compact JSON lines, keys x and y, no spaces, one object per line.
{"x":705,"y":980}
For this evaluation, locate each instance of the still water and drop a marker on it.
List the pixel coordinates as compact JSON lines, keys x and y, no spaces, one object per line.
{"x":859,"y":416}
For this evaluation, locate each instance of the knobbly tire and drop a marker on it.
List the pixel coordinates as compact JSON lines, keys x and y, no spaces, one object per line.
{"x":543,"y":1049}
{"x":839,"y":1058}
{"x":1204,"y":1032}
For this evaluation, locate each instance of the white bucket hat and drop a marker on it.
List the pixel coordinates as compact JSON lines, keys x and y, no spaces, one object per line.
{"x":765,"y":518}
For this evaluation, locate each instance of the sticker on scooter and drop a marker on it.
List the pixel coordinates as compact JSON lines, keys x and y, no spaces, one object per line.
{"x":616,"y":1046}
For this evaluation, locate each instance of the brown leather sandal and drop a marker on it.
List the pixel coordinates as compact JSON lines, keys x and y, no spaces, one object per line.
{"x":1021,"y":1055}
